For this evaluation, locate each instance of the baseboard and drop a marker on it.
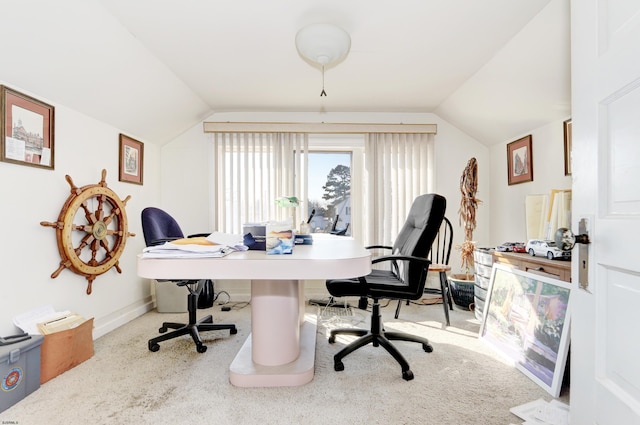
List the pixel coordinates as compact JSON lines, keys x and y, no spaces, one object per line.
{"x":104,"y":325}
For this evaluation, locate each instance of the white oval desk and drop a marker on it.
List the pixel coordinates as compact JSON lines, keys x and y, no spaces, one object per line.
{"x":281,"y":348}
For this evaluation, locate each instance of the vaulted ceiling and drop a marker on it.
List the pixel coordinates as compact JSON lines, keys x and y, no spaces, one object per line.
{"x":154,"y":68}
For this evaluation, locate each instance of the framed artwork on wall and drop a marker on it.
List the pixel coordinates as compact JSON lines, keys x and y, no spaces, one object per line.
{"x":26,"y":130}
{"x":520,"y":161}
{"x":527,"y":319}
{"x":567,"y":147}
{"x":131,"y":160}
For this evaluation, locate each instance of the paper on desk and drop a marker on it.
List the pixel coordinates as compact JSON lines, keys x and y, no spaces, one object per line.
{"x":214,"y":245}
{"x":28,"y":321}
{"x":228,"y":239}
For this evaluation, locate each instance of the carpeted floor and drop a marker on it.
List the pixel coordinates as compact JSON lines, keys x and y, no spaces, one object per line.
{"x":461,"y":382}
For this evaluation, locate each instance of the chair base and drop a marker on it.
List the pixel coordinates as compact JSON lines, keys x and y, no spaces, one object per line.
{"x":377,"y":336}
{"x":194,"y":327}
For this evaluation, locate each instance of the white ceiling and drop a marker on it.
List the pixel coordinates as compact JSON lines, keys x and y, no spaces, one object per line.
{"x":155,"y":68}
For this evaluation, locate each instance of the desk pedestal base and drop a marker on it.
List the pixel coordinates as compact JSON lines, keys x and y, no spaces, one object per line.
{"x":243,"y":372}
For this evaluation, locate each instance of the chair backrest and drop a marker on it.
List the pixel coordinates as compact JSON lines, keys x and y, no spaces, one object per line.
{"x":441,"y":248}
{"x":418,"y":234}
{"x":158,"y":225}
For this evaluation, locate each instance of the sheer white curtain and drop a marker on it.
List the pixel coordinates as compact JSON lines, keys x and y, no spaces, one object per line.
{"x":251,"y":171}
{"x":398,"y":168}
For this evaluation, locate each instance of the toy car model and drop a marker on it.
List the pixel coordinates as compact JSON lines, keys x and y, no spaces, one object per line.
{"x":519,"y":247}
{"x":511,"y":247}
{"x":546,"y":248}
{"x":506,"y":247}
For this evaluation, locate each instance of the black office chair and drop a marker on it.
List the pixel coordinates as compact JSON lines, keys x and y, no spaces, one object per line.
{"x":405,"y":279}
{"x":159,"y":227}
{"x":439,"y":256}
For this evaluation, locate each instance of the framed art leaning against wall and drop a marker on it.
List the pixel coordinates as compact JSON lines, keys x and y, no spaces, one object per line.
{"x":26,"y":130}
{"x":527,"y":319}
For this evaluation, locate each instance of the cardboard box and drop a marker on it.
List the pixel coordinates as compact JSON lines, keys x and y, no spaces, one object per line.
{"x":65,"y":349}
{"x":19,"y":370}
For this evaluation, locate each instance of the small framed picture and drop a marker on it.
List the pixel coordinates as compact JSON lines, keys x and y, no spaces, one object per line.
{"x":131,"y":160}
{"x":520,"y":161}
{"x":26,"y":130}
{"x":567,"y":147}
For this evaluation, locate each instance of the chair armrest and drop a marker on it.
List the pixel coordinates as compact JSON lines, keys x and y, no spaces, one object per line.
{"x":401,"y":258}
{"x":199,"y":235}
{"x":378,"y":247}
{"x":161,"y":241}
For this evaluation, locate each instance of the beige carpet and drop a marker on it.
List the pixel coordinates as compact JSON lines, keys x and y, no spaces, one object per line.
{"x":461,"y":382}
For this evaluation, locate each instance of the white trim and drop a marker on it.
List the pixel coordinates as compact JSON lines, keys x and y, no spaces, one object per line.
{"x":106,"y":324}
{"x":317,"y":128}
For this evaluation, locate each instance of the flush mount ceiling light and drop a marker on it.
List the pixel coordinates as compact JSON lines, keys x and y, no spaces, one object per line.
{"x":323,"y":45}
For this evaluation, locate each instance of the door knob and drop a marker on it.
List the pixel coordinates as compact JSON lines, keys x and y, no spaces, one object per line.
{"x":565,"y":239}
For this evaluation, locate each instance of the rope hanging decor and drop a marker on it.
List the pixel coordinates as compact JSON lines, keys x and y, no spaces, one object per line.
{"x":467,"y":212}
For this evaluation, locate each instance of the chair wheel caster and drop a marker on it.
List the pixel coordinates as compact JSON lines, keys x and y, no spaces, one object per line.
{"x":154,"y":347}
{"x":407,"y":375}
{"x":338,"y":366}
{"x":201,"y":348}
{"x":332,"y":339}
{"x":233,"y":331}
{"x":162,"y":330}
{"x":428,"y":348}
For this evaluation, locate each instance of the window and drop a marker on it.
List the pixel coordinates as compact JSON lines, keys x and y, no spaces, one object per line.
{"x":329,"y":200}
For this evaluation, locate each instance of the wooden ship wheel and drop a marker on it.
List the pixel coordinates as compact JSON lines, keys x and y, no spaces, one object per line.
{"x":91,"y":230}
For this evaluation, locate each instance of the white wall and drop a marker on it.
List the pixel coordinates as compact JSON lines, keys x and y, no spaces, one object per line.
{"x":29,"y":253}
{"x":508,"y":202}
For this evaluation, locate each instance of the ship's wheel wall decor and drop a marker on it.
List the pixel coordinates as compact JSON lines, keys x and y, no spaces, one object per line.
{"x":91,"y":230}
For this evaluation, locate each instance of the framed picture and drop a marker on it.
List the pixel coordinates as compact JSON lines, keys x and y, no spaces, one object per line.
{"x":131,"y":160}
{"x":527,"y":318}
{"x":26,"y":130}
{"x":520,"y":161}
{"x":567,"y":147}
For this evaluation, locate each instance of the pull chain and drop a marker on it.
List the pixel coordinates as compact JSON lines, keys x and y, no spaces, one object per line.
{"x":323,"y":93}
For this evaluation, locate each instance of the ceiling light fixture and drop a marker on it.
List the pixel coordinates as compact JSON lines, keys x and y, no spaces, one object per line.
{"x":323,"y":45}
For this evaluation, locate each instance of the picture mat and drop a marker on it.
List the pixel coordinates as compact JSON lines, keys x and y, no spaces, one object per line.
{"x":527,"y":319}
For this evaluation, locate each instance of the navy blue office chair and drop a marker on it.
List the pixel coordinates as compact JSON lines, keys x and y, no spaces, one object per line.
{"x":404,"y":280}
{"x":159,"y":227}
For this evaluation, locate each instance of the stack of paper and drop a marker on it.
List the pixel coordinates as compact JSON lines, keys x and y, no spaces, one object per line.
{"x":29,"y":321}
{"x":541,"y":412}
{"x":61,"y":323}
{"x":215,"y":245}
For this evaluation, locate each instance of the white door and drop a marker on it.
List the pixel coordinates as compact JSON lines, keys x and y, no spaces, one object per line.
{"x":605,"y":346}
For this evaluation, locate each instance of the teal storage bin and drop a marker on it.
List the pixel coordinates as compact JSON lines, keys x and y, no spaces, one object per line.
{"x":19,"y":370}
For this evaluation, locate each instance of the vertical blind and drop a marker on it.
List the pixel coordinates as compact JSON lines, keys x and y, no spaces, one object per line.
{"x":398,"y":168}
{"x":252,"y":170}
